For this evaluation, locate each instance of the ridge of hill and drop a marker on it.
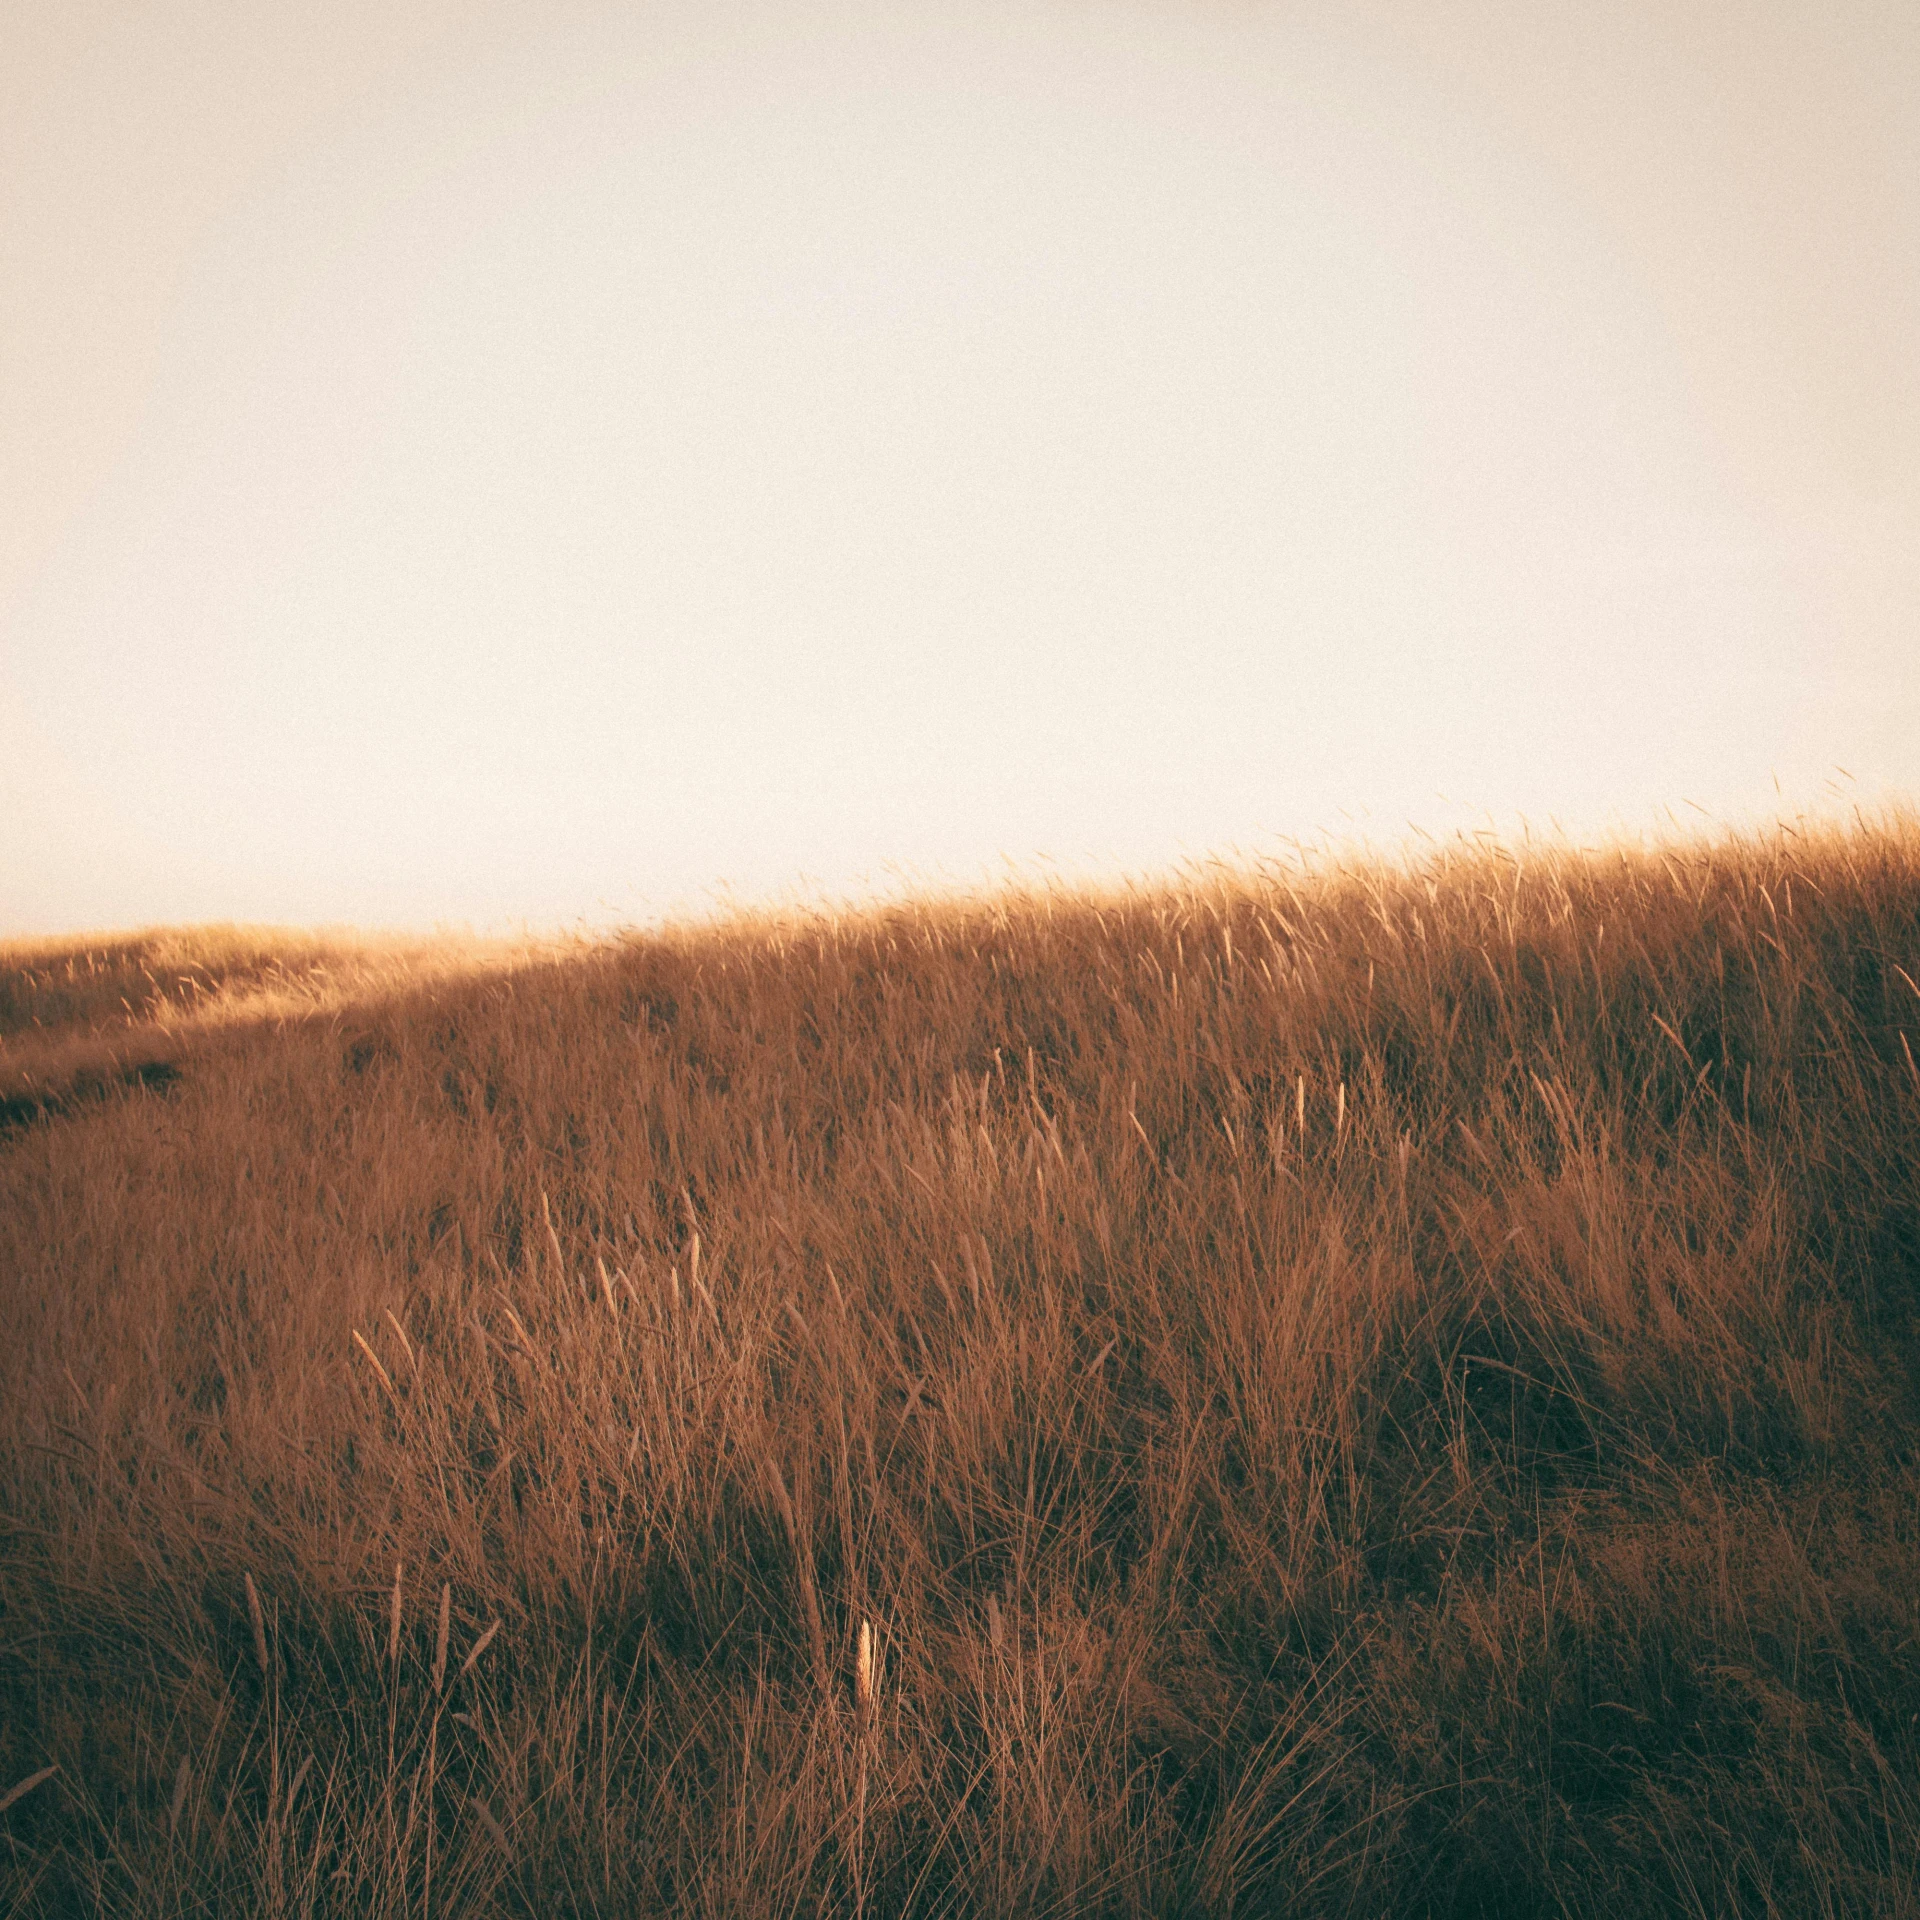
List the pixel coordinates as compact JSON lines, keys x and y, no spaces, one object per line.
{"x":1373,"y":1389}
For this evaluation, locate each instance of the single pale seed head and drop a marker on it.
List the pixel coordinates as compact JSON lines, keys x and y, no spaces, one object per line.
{"x":406,"y":1345}
{"x":479,"y":1647}
{"x":863,"y":1674}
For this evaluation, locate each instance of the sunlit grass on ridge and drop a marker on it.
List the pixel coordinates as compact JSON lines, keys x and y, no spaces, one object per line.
{"x":1335,"y":1386}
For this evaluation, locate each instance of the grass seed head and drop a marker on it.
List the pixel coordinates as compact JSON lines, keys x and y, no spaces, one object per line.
{"x":478,"y":1648}
{"x":865,"y":1675}
{"x":259,"y":1624}
{"x":440,"y":1638}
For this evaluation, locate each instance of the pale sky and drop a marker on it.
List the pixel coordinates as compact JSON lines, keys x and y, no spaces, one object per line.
{"x":543,"y":463}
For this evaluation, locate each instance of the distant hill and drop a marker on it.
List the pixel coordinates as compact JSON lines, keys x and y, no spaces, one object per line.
{"x":1365,"y":1390}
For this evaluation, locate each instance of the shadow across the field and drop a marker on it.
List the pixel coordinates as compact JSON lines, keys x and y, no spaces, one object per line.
{"x":18,"y":1110}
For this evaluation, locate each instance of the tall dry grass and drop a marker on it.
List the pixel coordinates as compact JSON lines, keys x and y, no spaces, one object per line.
{"x":1358,"y":1391}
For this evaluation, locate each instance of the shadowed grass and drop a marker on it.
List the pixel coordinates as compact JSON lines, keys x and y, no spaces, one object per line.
{"x":1364,"y":1390}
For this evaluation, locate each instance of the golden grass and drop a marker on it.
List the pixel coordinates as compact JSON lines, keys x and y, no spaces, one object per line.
{"x":1354,"y":1391}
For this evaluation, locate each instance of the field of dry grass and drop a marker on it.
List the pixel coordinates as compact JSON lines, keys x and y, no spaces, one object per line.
{"x":1346,"y":1391}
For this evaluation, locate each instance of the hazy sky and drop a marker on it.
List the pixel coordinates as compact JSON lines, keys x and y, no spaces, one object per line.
{"x":533,"y":462}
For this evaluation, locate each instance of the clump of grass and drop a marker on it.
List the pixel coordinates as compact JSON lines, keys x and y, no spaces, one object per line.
{"x":1374,"y":1389}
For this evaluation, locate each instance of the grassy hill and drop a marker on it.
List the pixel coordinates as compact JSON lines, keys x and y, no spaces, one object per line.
{"x":1342,"y":1392}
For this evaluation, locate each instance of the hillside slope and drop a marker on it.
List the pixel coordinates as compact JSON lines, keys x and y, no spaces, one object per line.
{"x":1343,"y":1392}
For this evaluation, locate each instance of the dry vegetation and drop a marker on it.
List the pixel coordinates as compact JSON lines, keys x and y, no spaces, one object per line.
{"x":1354,"y":1392}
